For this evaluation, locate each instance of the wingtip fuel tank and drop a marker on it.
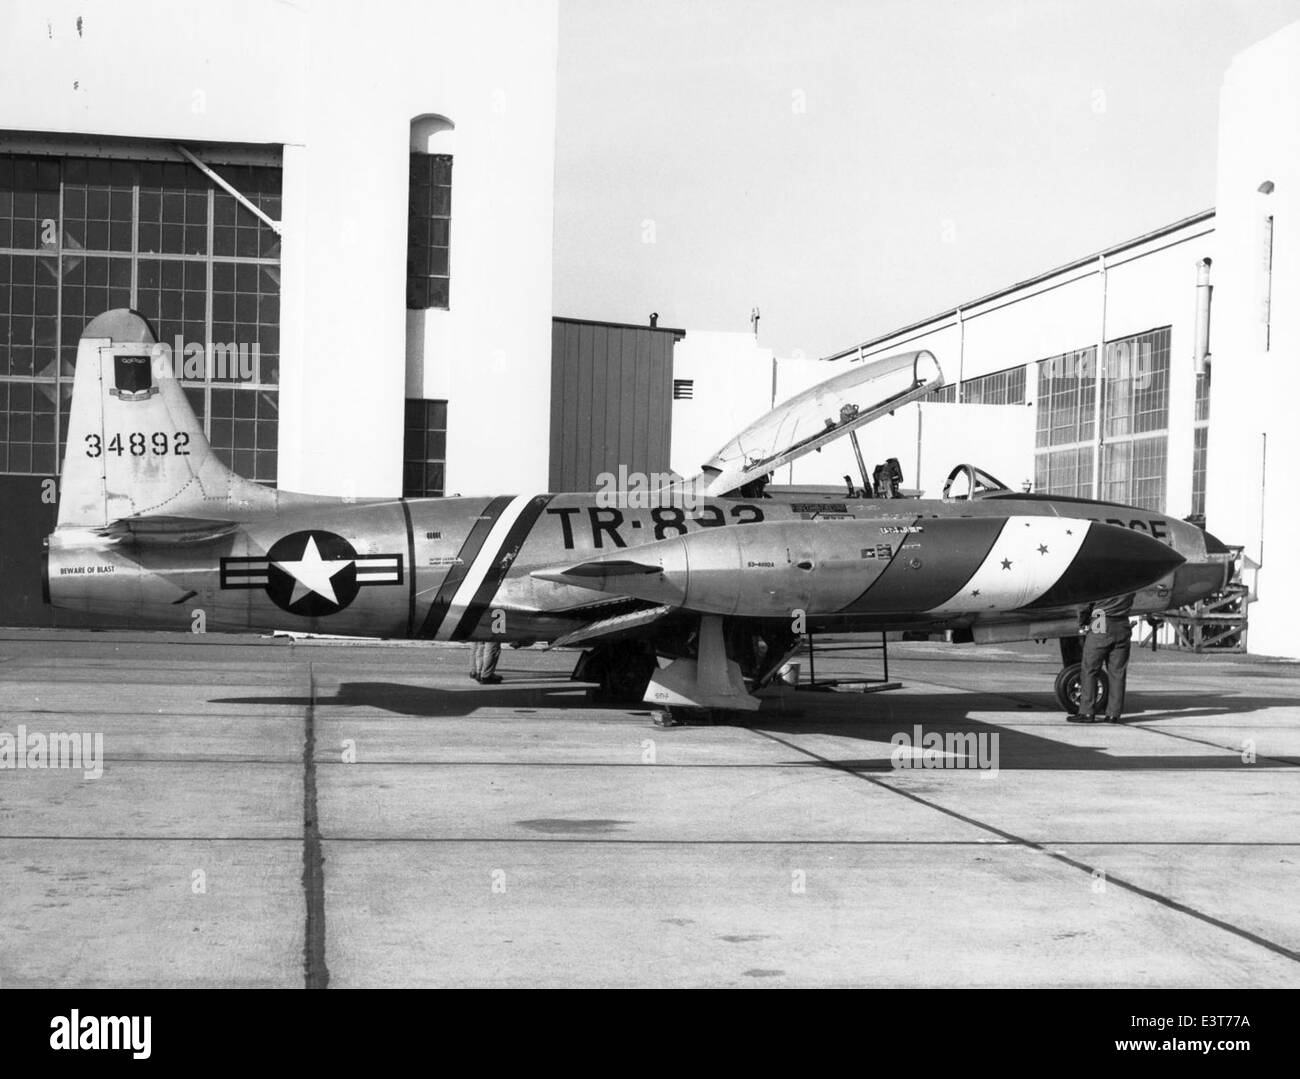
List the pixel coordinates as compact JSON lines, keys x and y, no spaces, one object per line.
{"x":941,"y":566}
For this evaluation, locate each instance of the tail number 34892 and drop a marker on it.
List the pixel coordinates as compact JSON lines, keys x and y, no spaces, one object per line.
{"x":140,"y":444}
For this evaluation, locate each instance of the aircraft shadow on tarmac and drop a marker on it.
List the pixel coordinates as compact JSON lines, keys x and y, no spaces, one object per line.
{"x":872,"y":718}
{"x":435,"y":703}
{"x":1110,"y":746}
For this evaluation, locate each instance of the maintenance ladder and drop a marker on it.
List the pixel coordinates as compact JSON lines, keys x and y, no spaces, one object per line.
{"x":861,"y":648}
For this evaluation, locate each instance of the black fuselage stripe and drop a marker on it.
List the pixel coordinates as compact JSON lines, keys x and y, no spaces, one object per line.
{"x":902,"y":539}
{"x":501,"y":563}
{"x":949,"y":552}
{"x":410,"y":569}
{"x":464,"y":560}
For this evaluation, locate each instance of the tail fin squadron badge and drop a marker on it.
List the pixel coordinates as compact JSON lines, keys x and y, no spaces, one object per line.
{"x":311,"y":573}
{"x":132,"y":378}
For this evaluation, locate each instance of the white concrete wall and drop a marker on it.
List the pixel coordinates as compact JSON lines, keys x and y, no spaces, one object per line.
{"x":1254,"y":442}
{"x":733,"y":387}
{"x":337,"y":84}
{"x":489,"y":354}
{"x":1045,"y":320}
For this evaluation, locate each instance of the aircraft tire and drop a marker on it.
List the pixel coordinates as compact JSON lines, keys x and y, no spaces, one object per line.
{"x":625,"y":675}
{"x":1068,"y":688}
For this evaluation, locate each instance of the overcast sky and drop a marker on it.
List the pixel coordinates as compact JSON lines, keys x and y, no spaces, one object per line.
{"x":850,"y":167}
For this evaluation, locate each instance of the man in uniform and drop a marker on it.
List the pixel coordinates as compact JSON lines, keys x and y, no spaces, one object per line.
{"x":484,"y":667}
{"x":1106,"y":641}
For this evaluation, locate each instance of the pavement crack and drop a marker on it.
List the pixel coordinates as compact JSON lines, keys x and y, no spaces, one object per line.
{"x":1055,"y":855}
{"x":316,"y":974}
{"x":1139,"y":726}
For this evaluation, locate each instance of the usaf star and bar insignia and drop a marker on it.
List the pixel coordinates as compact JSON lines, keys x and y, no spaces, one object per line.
{"x":312,"y":573}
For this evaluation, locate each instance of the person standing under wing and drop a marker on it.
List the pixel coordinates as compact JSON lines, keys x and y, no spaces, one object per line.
{"x":484,"y":664}
{"x":1106,"y":642}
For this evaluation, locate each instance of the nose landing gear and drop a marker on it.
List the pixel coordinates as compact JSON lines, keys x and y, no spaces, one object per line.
{"x":1069,"y":689}
{"x":1069,"y":682}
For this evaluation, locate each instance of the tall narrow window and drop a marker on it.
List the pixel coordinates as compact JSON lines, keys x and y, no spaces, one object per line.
{"x":424,"y":460}
{"x":1200,"y":443}
{"x":429,"y":225}
{"x":1135,"y":420}
{"x":1063,"y":454}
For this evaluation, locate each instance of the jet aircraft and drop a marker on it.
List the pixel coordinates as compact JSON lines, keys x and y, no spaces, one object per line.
{"x":692,"y":597}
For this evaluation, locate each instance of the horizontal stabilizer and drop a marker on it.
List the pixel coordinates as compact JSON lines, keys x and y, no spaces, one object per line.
{"x":167,"y":531}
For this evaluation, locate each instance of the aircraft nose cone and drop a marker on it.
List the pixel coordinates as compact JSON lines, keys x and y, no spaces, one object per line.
{"x":1214,"y":545}
{"x":1111,"y":562}
{"x":1195,"y":581}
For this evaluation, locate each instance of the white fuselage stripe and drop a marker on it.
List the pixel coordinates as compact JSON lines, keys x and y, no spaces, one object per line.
{"x":1028,"y":558}
{"x":478,"y":570}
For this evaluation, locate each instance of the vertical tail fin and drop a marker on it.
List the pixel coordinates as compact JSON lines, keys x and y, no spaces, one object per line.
{"x":135,"y":447}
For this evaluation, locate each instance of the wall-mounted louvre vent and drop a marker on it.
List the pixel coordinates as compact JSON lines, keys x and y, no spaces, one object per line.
{"x":683,"y":389}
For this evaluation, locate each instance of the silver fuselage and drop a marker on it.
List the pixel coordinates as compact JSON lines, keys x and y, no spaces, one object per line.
{"x":446,"y":568}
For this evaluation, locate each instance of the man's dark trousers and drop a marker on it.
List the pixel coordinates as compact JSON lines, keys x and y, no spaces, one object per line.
{"x":1111,"y":649}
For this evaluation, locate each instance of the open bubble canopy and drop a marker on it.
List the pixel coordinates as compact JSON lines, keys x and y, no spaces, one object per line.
{"x":819,"y":415}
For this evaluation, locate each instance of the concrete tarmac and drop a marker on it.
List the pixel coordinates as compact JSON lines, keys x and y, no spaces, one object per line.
{"x":276,"y":813}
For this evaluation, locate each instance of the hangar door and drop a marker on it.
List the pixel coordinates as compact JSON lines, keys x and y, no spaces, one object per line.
{"x":88,"y":225}
{"x":611,"y":400}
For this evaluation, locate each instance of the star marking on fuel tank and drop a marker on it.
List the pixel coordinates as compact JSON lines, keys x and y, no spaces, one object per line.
{"x":1042,"y":548}
{"x":1006,"y":563}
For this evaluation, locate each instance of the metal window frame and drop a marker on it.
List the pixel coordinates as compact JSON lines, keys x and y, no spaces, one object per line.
{"x":1131,"y":437}
{"x":425,"y":279}
{"x":62,"y":148}
{"x":423,"y":460}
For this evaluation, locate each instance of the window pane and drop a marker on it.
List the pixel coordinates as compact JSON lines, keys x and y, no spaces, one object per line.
{"x":425,"y":449}
{"x":428,"y":230}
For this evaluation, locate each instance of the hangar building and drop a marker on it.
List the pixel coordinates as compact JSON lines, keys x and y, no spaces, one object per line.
{"x":1161,"y":371}
{"x":362,"y":197}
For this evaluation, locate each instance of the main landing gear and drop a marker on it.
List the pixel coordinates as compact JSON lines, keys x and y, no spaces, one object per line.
{"x":716,"y":665}
{"x":620,"y":669}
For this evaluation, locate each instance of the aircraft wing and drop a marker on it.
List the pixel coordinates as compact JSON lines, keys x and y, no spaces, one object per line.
{"x":616,"y":626}
{"x":819,"y":415}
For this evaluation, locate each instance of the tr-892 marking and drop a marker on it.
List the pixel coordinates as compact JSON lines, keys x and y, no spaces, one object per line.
{"x":606,"y":522}
{"x":139,"y":444}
